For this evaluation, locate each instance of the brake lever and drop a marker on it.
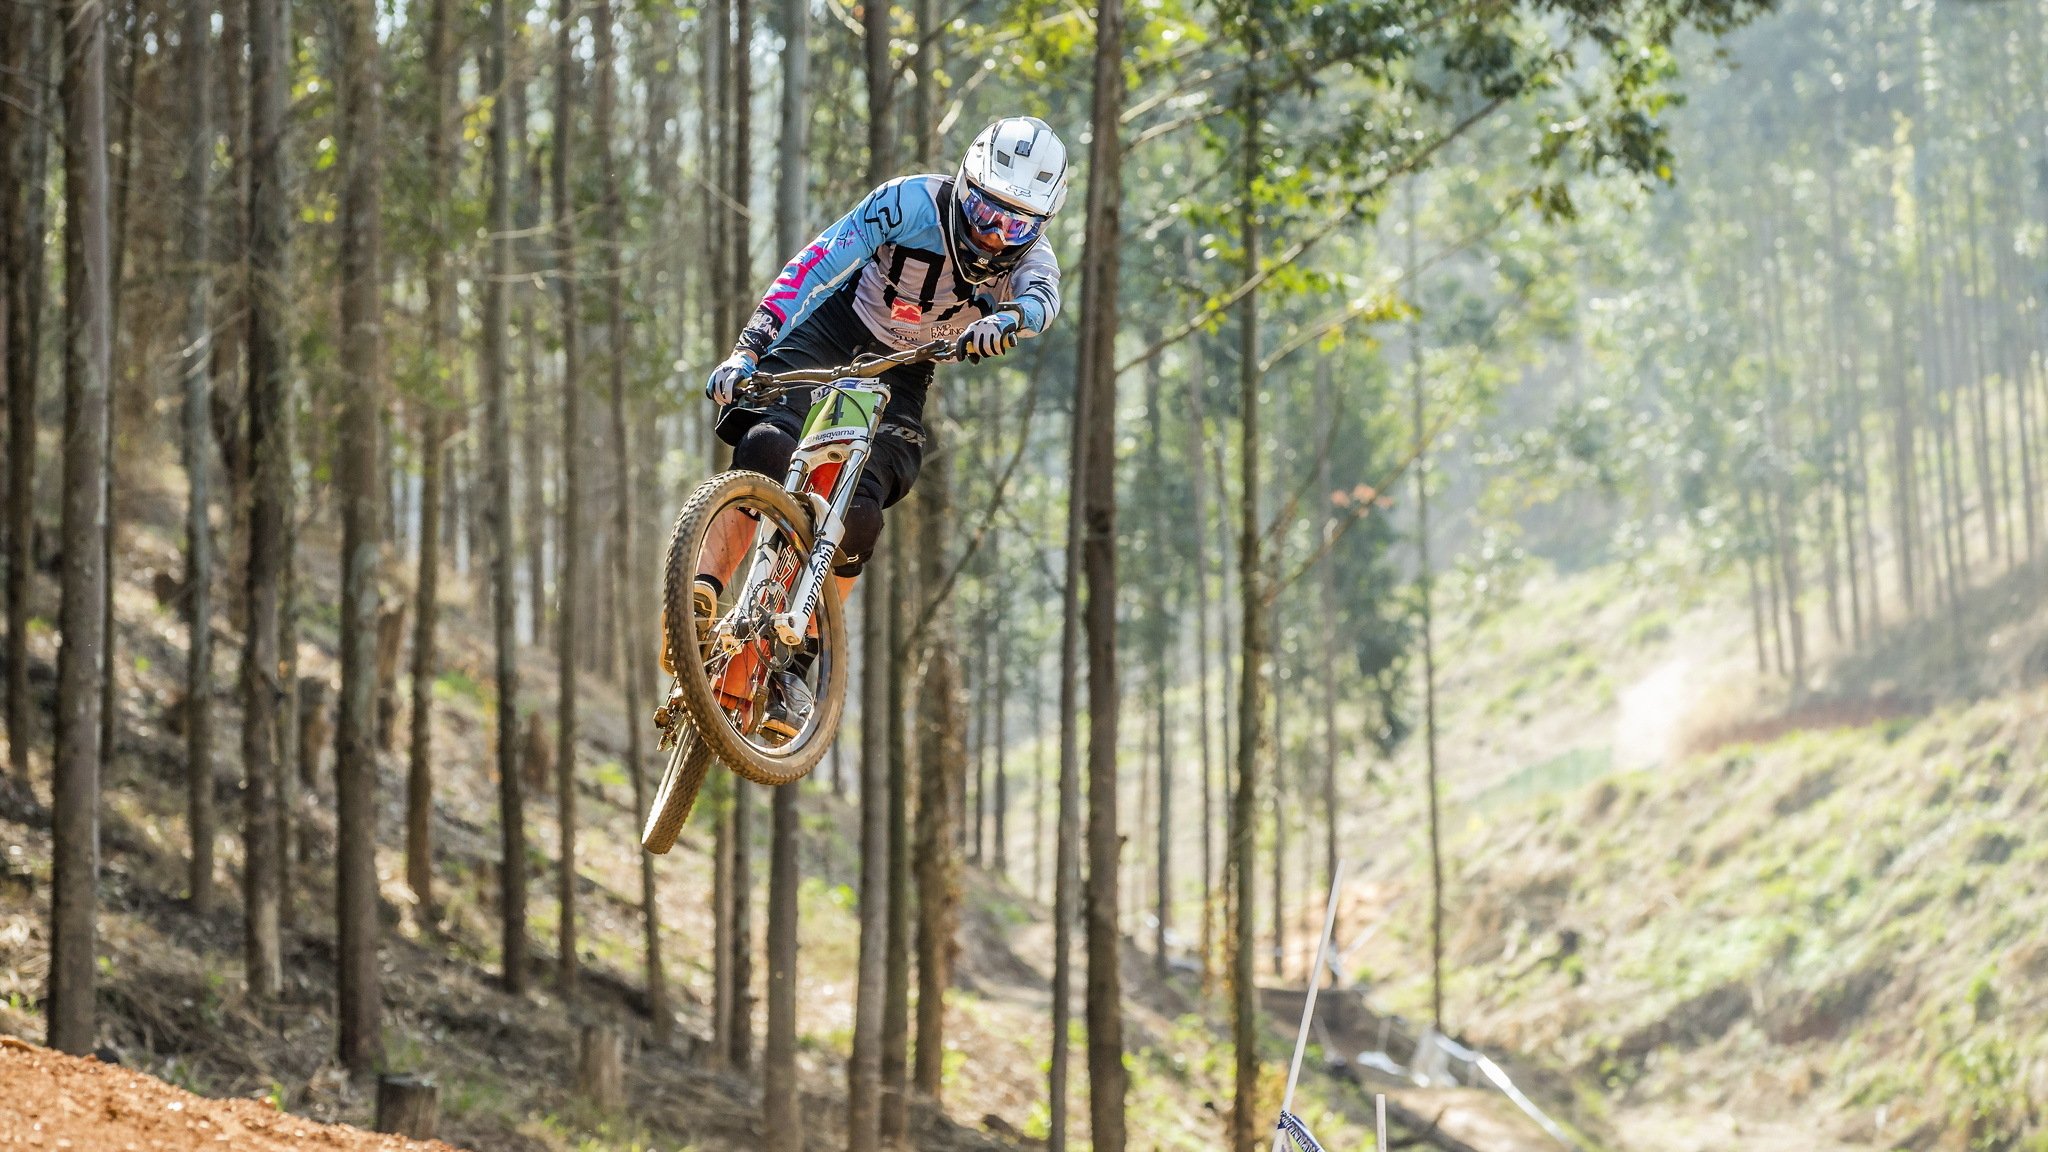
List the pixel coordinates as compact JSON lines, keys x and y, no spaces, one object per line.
{"x":762,"y":393}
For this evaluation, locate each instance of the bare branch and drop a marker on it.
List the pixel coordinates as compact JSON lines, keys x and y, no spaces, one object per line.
{"x":1322,"y":232}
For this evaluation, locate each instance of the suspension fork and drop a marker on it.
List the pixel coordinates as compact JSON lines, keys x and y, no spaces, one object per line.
{"x":830,"y":516}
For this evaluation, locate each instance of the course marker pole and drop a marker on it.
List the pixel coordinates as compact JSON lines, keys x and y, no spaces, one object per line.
{"x":1308,"y":1007}
{"x":1379,"y":1107}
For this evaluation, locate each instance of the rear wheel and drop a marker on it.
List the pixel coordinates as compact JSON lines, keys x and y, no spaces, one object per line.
{"x":689,"y":761}
{"x":734,"y":687}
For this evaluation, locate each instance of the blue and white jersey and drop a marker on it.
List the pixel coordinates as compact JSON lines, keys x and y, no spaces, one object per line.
{"x":909,"y":291}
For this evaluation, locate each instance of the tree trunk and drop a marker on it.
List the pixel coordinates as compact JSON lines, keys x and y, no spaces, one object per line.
{"x":781,"y":1119}
{"x":123,"y":107}
{"x":895,"y":1123}
{"x":1039,"y":777}
{"x":864,"y":1065}
{"x":1279,"y":873}
{"x":741,"y":814}
{"x":781,"y":1115}
{"x":419,"y":780}
{"x":533,"y":464}
{"x":722,"y":950}
{"x":268,"y":453}
{"x":739,"y":59}
{"x":1904,"y":459}
{"x":881,"y":78}
{"x":1326,"y":405}
{"x":1159,"y":641}
{"x":24,"y":150}
{"x":1245,"y":1128}
{"x":362,"y":389}
{"x":1424,"y":588}
{"x":1067,"y":822}
{"x":504,"y":596}
{"x":1198,"y":517}
{"x":440,"y":278}
{"x":716,"y":181}
{"x":942,"y":755}
{"x":1096,"y":441}
{"x":974,"y":829}
{"x":88,"y":306}
{"x":999,"y":727}
{"x":570,"y":588}
{"x":624,"y":549}
{"x":290,"y":741}
{"x":196,"y":250}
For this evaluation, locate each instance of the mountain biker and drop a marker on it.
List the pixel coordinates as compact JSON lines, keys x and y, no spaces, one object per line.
{"x":921,"y":258}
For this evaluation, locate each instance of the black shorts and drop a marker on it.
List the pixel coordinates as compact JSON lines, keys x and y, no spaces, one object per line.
{"x":830,"y":337}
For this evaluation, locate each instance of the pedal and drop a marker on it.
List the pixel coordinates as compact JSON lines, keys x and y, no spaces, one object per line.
{"x":669,"y":716}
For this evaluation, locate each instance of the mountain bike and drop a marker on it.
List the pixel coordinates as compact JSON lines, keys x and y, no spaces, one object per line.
{"x":762,"y":689}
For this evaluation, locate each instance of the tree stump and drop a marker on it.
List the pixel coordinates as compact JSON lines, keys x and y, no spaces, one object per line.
{"x":537,"y":759}
{"x":315,"y":729}
{"x":600,"y":1067}
{"x":390,"y":640}
{"x":408,"y":1106}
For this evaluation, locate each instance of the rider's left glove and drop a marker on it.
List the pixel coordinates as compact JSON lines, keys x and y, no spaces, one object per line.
{"x":989,"y":336}
{"x":727,"y":377}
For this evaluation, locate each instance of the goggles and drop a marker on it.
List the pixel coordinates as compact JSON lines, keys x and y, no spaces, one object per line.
{"x":996,"y":225}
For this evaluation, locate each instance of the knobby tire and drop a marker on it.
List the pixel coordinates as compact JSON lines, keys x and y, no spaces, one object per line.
{"x":688,"y":763}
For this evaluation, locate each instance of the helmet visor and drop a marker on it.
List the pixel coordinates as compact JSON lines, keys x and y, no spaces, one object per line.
{"x":994,"y":225}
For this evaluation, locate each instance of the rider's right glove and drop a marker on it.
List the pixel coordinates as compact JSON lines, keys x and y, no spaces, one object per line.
{"x":727,"y":377}
{"x":989,"y":336}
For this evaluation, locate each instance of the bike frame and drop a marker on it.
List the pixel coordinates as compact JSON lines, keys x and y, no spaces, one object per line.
{"x":840,"y":443}
{"x":835,"y":450}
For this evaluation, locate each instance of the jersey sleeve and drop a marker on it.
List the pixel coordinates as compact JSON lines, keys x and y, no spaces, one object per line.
{"x":826,"y":263}
{"x":1035,"y":289}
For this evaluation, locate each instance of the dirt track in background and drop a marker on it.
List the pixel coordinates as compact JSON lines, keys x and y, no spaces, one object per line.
{"x":50,"y":1100}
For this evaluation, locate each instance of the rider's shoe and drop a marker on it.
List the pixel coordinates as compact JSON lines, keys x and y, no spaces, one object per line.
{"x":789,"y":705}
{"x":704,"y":602}
{"x":703,"y":610}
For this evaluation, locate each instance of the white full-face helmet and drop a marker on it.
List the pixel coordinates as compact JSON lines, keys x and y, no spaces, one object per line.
{"x":1011,"y":182}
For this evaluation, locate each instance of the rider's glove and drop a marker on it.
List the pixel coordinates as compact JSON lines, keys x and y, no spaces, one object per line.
{"x":727,"y":377}
{"x":989,"y":336}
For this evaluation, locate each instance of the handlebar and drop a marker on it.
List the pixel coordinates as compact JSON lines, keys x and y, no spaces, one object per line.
{"x":766,"y":385}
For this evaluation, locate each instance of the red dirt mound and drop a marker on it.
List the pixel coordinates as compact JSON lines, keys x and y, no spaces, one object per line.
{"x":50,"y":1100}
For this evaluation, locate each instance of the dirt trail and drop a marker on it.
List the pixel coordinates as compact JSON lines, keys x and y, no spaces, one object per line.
{"x":1650,"y":712}
{"x":50,"y":1100}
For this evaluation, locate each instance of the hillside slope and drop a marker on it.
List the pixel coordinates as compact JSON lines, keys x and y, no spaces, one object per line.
{"x":1811,"y":924}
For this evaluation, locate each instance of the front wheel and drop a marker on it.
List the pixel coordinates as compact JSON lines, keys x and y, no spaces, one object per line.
{"x":754,"y":705}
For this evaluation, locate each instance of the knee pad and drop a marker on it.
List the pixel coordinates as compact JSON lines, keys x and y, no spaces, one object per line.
{"x":766,"y":448}
{"x":863,"y":529}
